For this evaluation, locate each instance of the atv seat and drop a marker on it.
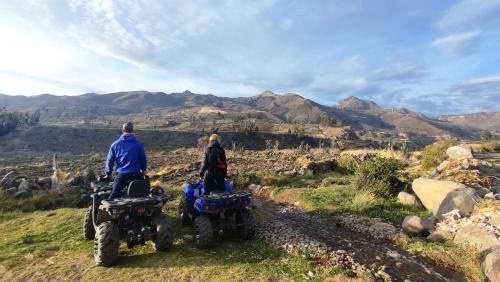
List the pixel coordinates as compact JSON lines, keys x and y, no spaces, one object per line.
{"x":138,"y":189}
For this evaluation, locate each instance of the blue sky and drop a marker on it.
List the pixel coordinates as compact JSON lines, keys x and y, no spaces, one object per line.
{"x":436,"y":57}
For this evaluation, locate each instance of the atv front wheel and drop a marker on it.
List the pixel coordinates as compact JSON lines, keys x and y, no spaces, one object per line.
{"x":184,"y":211}
{"x":164,"y":236}
{"x":88,"y":225}
{"x":204,"y":232}
{"x":106,"y":243}
{"x":247,"y":225}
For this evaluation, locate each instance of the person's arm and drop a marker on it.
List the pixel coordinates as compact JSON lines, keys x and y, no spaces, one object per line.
{"x":110,"y":161}
{"x":225,"y":162}
{"x":204,"y":165}
{"x":143,"y":159}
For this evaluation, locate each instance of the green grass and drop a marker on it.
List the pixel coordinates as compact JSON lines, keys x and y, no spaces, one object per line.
{"x":460,"y":258}
{"x":345,"y":199}
{"x":40,"y":201}
{"x":59,"y":252}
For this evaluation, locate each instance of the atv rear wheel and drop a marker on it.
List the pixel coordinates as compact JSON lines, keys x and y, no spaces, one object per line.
{"x":106,"y":243}
{"x":88,"y":225}
{"x":204,"y":232}
{"x":184,"y":211}
{"x":162,"y":240}
{"x":247,"y":225}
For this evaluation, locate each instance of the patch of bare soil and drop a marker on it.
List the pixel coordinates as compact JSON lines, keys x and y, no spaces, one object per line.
{"x":289,"y":227}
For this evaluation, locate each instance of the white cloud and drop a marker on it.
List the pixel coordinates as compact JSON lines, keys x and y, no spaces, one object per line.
{"x":458,"y":43}
{"x":401,"y":72}
{"x":468,"y":12}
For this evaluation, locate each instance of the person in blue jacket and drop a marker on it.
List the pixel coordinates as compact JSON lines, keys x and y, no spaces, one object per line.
{"x":130,"y":158}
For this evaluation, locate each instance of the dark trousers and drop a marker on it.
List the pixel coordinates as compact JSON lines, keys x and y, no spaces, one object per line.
{"x":212,"y":183}
{"x":121,"y":181}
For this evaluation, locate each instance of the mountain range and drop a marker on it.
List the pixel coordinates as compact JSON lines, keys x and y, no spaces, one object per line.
{"x":289,"y":107}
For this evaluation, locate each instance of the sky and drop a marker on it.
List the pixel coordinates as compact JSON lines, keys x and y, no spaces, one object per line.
{"x":435,"y":57}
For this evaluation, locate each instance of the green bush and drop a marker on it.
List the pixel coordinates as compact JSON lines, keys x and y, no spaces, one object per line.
{"x":348,"y":163}
{"x":379,"y":176}
{"x":434,"y":154}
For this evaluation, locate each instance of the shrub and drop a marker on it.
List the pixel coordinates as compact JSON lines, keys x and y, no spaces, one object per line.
{"x":53,"y":199}
{"x":379,"y":176}
{"x":348,"y":163}
{"x":492,"y":146}
{"x":434,"y":154}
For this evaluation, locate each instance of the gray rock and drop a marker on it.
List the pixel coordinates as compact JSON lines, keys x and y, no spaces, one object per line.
{"x":409,"y":199}
{"x":88,"y":175}
{"x":491,"y":265}
{"x":28,"y":240}
{"x":440,"y":236}
{"x":482,"y":192}
{"x":476,"y":236}
{"x":25,"y":185}
{"x":417,"y":225}
{"x":432,"y":192}
{"x":22,"y":194}
{"x":442,"y":166}
{"x":460,"y":152}
{"x":462,"y":200}
{"x":75,"y":181}
{"x":44,"y":182}
{"x":489,"y":196}
{"x":11,"y":190}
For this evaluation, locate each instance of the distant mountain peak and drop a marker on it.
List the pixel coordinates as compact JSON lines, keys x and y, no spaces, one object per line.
{"x":187,"y":92}
{"x":267,"y":93}
{"x":354,"y":103}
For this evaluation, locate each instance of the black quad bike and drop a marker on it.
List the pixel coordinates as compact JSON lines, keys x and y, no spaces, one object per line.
{"x":135,"y":218}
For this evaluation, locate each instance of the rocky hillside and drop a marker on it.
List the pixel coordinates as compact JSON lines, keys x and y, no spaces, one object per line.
{"x":361,"y":114}
{"x":368,"y":115}
{"x":485,"y":121}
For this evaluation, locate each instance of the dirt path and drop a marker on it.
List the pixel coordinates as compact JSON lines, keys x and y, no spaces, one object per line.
{"x":288,"y":226}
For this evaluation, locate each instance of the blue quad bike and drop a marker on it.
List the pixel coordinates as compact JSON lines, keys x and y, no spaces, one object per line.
{"x":135,"y":218}
{"x":215,"y":214}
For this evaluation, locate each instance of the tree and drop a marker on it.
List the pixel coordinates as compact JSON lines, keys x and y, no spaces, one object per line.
{"x":486,"y":135}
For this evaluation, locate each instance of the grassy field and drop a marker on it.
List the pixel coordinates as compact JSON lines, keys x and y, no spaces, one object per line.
{"x":59,"y":252}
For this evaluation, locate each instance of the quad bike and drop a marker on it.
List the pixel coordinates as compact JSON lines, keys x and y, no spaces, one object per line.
{"x":135,"y":218}
{"x":215,"y":214}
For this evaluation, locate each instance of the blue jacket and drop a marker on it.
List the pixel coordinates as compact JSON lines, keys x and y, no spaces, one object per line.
{"x":128,"y":152}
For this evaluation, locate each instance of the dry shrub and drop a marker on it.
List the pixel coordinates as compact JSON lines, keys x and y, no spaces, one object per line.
{"x":434,"y":154}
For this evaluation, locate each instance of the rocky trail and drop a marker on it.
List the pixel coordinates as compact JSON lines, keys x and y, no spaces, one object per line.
{"x":289,"y":227}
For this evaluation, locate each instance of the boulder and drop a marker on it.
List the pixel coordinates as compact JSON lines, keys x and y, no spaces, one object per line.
{"x":461,"y":199}
{"x":417,"y":225}
{"x":482,"y":192}
{"x":44,"y":182}
{"x":409,"y":199}
{"x":11,"y":190}
{"x":460,"y":152}
{"x":22,"y":194}
{"x":443,"y":166}
{"x":432,"y":192}
{"x":440,"y":236}
{"x":24,"y":186}
{"x":88,"y":175}
{"x":476,"y":236}
{"x":75,"y":181}
{"x":491,"y":265}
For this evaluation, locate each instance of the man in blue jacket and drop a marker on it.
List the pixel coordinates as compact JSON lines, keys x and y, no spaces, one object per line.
{"x":130,"y":158}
